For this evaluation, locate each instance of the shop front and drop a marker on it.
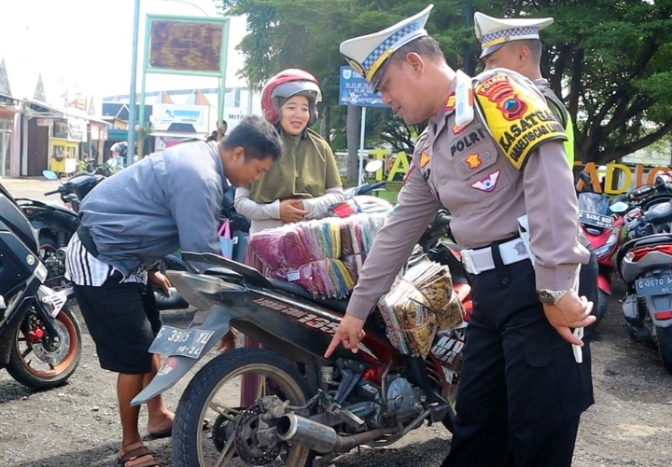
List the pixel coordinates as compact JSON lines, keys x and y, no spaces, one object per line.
{"x":64,"y":144}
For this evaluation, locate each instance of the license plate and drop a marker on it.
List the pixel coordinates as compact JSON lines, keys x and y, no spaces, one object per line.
{"x":654,"y":286}
{"x":596,"y":220}
{"x":184,"y":342}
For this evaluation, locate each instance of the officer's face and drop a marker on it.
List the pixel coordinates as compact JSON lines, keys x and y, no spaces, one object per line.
{"x":400,"y":89}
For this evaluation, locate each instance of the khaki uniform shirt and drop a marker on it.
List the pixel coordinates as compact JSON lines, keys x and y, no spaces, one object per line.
{"x":464,"y":170}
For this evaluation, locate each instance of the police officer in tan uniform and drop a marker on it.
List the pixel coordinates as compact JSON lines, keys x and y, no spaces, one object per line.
{"x":514,"y":44}
{"x":494,"y":156}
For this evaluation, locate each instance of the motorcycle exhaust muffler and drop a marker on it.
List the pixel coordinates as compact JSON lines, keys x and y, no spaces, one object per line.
{"x":323,"y":438}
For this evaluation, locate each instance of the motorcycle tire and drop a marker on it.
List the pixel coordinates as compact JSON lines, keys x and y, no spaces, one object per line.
{"x":664,"y":338}
{"x":67,"y":355}
{"x":601,"y":306}
{"x":188,"y":442}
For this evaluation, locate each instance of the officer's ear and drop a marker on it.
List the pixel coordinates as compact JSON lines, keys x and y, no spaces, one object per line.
{"x":416,"y":62}
{"x":523,"y":54}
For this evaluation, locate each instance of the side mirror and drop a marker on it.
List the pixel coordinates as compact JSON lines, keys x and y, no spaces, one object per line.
{"x":373,"y":166}
{"x":49,"y":175}
{"x":619,"y":207}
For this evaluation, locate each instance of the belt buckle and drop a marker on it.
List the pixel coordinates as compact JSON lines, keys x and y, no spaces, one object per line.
{"x":468,"y":262}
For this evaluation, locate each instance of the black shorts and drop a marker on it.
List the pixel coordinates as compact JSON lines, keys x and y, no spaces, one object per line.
{"x":122,"y":320}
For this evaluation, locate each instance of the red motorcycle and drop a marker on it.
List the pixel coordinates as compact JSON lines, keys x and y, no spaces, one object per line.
{"x":306,"y":406}
{"x":602,"y":224}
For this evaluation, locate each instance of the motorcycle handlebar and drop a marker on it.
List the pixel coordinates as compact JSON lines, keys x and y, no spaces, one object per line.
{"x":443,"y":219}
{"x":48,"y":193}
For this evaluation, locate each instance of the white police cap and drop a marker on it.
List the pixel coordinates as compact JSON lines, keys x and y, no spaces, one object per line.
{"x":368,"y":55}
{"x":493,"y":33}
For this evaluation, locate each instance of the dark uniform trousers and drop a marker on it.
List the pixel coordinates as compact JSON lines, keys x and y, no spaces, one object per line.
{"x":521,"y":390}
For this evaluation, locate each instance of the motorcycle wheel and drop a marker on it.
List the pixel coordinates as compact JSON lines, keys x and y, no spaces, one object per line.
{"x":601,"y":306}
{"x":215,"y":392}
{"x":35,"y":365}
{"x":664,"y":338}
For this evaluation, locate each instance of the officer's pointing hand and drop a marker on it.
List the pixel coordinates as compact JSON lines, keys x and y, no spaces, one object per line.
{"x":570,"y":312}
{"x":349,"y":333}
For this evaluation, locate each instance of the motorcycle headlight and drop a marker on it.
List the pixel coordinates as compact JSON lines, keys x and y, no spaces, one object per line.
{"x":607,"y":247}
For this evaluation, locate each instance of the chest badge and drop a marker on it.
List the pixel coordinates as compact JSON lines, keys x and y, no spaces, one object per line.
{"x":487,"y":184}
{"x":424,"y":159}
{"x":474,"y":161}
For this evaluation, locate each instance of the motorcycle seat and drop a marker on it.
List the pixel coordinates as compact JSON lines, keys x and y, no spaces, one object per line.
{"x":660,"y":213}
{"x":332,"y":304}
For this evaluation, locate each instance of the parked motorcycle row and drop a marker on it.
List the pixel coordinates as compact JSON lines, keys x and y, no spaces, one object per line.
{"x":633,"y":235}
{"x":305,"y":408}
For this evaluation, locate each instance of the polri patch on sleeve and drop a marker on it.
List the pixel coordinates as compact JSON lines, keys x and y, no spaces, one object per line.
{"x":517,"y":115}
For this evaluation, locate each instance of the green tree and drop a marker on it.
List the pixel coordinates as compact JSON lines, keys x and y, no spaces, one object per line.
{"x":610,"y":62}
{"x":608,"y":59}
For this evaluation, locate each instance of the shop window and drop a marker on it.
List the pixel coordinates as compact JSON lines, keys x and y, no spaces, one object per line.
{"x":61,"y":129}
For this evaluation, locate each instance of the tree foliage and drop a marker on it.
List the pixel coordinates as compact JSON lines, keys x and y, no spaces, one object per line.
{"x":608,"y":59}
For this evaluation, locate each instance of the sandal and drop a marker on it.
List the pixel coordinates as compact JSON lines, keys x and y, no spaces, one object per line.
{"x":139,"y":456}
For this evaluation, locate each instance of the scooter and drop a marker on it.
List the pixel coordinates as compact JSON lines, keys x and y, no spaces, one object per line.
{"x":40,"y":339}
{"x":602,"y":224}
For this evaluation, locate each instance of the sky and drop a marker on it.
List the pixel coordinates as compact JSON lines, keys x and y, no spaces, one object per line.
{"x":86,"y":46}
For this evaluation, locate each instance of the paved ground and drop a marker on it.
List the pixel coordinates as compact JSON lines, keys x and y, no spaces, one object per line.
{"x":77,"y":425}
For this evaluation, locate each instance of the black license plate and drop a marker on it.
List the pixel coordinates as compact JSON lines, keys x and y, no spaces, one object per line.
{"x":184,"y":342}
{"x":654,"y":286}
{"x":596,"y":220}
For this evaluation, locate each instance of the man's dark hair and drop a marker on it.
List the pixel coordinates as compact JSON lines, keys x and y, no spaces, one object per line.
{"x":425,"y":46}
{"x":257,"y":137}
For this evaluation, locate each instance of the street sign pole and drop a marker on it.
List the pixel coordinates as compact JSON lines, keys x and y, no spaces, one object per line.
{"x":362,"y":132}
{"x":353,"y":90}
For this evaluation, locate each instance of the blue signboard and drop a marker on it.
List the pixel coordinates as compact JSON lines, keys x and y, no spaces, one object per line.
{"x":354,"y":90}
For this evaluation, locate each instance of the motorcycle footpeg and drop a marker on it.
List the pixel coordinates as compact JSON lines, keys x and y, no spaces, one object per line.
{"x":438,"y":412}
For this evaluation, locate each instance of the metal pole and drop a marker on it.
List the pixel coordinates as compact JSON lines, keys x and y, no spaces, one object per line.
{"x":361,"y":147}
{"x":131,"y":100}
{"x":469,"y":66}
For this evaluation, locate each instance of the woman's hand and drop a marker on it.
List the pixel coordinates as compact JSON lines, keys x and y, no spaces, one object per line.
{"x":291,"y":210}
{"x":160,"y":281}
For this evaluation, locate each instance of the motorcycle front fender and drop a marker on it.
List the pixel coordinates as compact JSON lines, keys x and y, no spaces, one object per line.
{"x":604,"y":283}
{"x":174,"y":367}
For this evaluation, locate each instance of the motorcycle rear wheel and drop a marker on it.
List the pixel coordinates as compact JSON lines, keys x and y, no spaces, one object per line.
{"x":48,"y":368}
{"x":212,"y":393}
{"x":664,"y":338}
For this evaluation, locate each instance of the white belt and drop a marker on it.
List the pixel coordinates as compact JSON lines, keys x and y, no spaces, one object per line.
{"x":480,"y":260}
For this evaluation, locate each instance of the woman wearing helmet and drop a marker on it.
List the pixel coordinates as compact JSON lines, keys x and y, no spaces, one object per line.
{"x":305,"y":181}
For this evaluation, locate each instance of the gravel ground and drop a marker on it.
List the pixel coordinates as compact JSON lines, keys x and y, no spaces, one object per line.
{"x":78,"y":425}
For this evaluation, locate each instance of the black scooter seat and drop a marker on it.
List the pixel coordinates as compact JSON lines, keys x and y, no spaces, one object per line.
{"x":332,"y":304}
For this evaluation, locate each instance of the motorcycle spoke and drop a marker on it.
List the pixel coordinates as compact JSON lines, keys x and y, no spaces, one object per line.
{"x":227,"y":453}
{"x":25,"y":353}
{"x":261,"y":390}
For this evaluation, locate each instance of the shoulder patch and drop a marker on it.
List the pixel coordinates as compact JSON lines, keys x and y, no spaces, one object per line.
{"x":518,"y":117}
{"x":450,"y":103}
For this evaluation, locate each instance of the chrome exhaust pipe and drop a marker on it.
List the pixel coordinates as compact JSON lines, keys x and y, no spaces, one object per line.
{"x":323,"y":438}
